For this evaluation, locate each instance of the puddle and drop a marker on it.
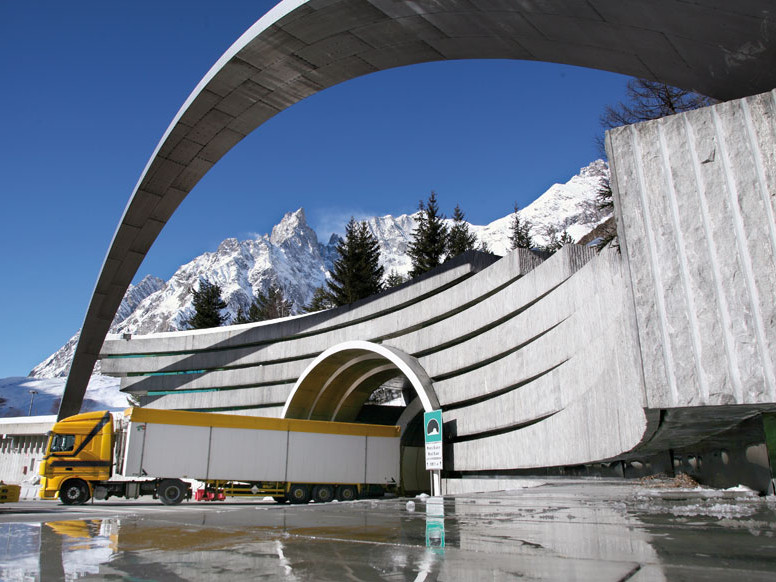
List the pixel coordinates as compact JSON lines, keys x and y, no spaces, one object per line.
{"x":567,"y":533}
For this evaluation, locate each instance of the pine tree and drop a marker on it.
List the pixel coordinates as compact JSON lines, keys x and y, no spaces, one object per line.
{"x":393,"y":280}
{"x":565,"y":239}
{"x":270,"y":305}
{"x":207,"y":307}
{"x":520,"y":231}
{"x":555,"y":242}
{"x":429,"y":239}
{"x":321,"y":300}
{"x":357,"y":273}
{"x":241,"y":317}
{"x":605,"y":203}
{"x":604,"y":199}
{"x":460,"y":238}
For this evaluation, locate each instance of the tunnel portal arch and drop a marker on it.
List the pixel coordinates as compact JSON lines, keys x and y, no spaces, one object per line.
{"x":301,"y":47}
{"x":337,"y":383}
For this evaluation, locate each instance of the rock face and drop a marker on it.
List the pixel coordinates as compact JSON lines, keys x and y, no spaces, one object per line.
{"x":293,"y":258}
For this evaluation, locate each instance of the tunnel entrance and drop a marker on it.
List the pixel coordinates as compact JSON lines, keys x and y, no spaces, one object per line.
{"x":340,"y":384}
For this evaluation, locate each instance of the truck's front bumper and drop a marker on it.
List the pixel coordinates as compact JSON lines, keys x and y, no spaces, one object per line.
{"x":45,"y":492}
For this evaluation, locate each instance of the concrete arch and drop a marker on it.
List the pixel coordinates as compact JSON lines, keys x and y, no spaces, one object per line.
{"x":333,"y":379}
{"x":301,"y":47}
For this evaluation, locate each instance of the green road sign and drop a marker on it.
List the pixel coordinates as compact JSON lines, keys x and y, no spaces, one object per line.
{"x":432,"y":423}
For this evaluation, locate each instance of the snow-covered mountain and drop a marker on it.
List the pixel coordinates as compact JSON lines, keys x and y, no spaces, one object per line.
{"x":20,"y":396}
{"x":571,"y":207}
{"x":293,"y":258}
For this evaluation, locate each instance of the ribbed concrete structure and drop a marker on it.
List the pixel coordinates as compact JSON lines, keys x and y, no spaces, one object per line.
{"x":579,"y":358}
{"x":301,"y":47}
{"x":529,"y":360}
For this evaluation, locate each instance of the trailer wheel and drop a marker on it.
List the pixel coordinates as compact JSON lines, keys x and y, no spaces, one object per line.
{"x":74,"y":492}
{"x":347,"y":493}
{"x":298,"y":493}
{"x":171,"y":491}
{"x":323,"y":493}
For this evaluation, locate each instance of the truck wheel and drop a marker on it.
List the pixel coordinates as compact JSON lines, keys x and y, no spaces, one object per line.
{"x":323,"y":493}
{"x":299,"y":493}
{"x":347,"y":493}
{"x":171,"y":491}
{"x":74,"y":492}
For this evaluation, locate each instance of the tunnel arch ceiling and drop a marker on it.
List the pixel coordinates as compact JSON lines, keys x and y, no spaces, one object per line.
{"x":302,"y":47}
{"x":337,"y":383}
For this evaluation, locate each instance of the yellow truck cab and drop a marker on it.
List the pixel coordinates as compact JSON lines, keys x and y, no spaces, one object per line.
{"x":79,"y":453}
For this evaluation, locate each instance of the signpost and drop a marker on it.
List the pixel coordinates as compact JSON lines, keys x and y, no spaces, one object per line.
{"x":432,"y":423}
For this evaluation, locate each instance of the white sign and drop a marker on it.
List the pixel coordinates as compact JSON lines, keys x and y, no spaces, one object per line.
{"x":433,"y":456}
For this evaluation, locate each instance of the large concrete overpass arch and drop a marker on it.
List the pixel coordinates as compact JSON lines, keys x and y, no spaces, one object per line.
{"x":335,"y":385}
{"x":301,"y":47}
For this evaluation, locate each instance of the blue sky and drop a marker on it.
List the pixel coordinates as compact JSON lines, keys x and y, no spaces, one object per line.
{"x":90,"y":87}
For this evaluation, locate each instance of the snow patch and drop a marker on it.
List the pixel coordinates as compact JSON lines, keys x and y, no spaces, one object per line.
{"x":16,"y":395}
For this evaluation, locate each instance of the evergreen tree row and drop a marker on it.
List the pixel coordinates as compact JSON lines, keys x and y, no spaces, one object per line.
{"x":208,"y":306}
{"x":270,"y":305}
{"x":357,"y":273}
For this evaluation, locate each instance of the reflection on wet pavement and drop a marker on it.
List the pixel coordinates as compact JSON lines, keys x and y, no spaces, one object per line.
{"x":560,"y":531}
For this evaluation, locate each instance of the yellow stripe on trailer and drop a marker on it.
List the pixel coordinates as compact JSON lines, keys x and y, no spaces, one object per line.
{"x":9,"y":493}
{"x":183,"y":418}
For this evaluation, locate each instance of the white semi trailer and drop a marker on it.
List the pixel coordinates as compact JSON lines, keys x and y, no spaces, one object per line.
{"x":149,"y":452}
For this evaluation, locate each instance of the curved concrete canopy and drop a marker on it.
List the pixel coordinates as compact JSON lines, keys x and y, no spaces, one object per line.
{"x":302,"y":47}
{"x":337,"y":382}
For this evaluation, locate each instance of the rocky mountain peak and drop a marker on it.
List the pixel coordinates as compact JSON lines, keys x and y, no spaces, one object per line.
{"x":597,"y":170}
{"x":292,"y":258}
{"x":293,"y":229}
{"x":228,"y":246}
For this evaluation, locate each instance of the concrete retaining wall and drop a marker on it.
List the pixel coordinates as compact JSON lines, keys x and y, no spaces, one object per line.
{"x":696,"y":198}
{"x":518,"y":351}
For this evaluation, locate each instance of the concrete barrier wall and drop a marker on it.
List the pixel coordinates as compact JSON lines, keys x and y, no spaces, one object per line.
{"x":22,"y":445}
{"x":696,"y":198}
{"x":590,"y":403}
{"x":262,"y":373}
{"x":519,"y":352}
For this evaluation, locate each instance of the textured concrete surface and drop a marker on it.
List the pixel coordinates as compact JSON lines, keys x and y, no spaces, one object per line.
{"x":531,"y":367}
{"x":22,"y":445}
{"x":560,"y":530}
{"x":696,"y":200}
{"x":300,"y":48}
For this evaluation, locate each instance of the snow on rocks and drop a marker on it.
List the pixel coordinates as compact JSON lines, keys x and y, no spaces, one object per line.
{"x":293,"y":258}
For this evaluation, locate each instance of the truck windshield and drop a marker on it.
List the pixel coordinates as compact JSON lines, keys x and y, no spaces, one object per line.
{"x":62,"y":442}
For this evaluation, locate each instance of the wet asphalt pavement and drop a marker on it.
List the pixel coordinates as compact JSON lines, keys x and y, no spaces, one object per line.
{"x":561,"y":530}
